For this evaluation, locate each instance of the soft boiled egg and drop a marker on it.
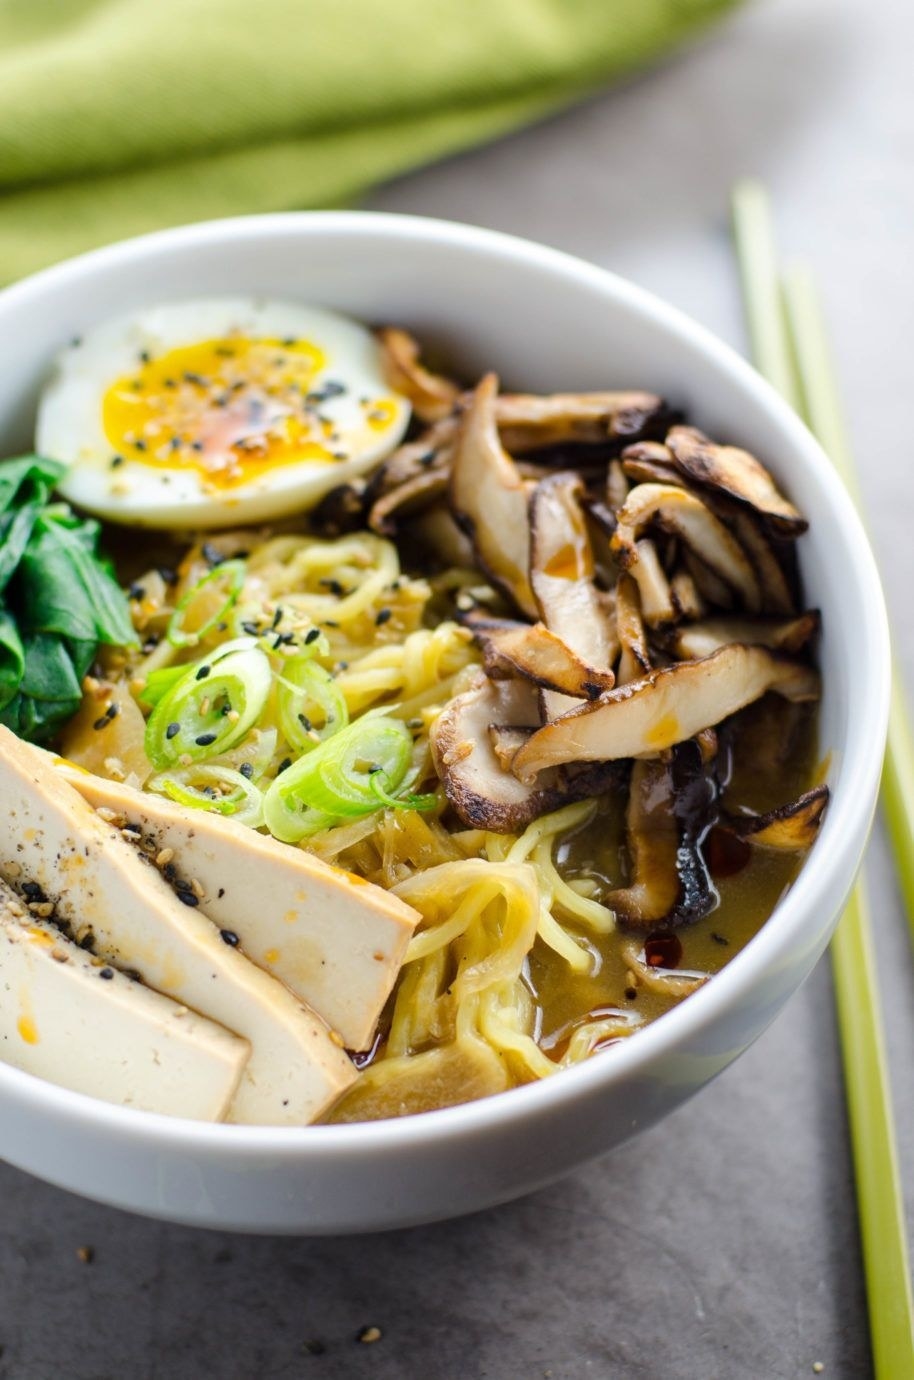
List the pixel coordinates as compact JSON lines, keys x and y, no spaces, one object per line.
{"x":218,"y":411}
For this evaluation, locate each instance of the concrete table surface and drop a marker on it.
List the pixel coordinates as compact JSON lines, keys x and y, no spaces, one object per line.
{"x":721,"y":1245}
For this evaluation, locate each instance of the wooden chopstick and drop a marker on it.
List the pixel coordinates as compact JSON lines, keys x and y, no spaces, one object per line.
{"x":790,"y":348}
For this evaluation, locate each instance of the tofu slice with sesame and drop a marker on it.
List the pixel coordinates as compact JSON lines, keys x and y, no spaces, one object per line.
{"x":335,"y":940}
{"x":68,"y":1018}
{"x":104,"y":887}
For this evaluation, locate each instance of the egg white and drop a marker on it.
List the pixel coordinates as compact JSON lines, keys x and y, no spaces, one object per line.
{"x":70,"y":429}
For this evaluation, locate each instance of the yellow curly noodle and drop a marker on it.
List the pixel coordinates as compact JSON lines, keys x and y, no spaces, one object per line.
{"x":463,"y":1020}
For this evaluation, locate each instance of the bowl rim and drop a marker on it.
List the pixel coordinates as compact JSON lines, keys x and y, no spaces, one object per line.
{"x":860,"y":763}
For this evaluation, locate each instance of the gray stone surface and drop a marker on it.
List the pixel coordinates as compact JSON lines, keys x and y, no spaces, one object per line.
{"x":721,"y":1245}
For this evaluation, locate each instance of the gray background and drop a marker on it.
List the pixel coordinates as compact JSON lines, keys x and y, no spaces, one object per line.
{"x":723,"y":1242}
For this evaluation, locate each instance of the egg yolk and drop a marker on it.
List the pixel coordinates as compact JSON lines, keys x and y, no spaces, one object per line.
{"x":231,"y":409}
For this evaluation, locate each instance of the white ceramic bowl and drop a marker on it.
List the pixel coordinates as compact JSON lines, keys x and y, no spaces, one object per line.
{"x":544,"y":321}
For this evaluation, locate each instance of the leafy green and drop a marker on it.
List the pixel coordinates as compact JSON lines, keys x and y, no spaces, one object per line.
{"x":59,"y":601}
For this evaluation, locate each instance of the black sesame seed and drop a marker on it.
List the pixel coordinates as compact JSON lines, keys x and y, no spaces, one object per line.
{"x":284,"y":765}
{"x":139,"y":445}
{"x":203,"y":673}
{"x":334,"y":587}
{"x":168,"y":575}
{"x":383,"y":616}
{"x":106,"y":973}
{"x":101,"y":723}
{"x":113,"y":710}
{"x":188,"y":898}
{"x":221,"y":892}
{"x":33,"y":892}
{"x":251,"y":629}
{"x":305,"y":722}
{"x":247,"y":770}
{"x":719,"y":938}
{"x":116,"y":461}
{"x":311,"y":636}
{"x":145,"y":356}
{"x":151,"y":643}
{"x":205,"y":739}
{"x":172,"y":731}
{"x":277,"y":618}
{"x":229,"y":937}
{"x":136,"y":592}
{"x":211,"y":554}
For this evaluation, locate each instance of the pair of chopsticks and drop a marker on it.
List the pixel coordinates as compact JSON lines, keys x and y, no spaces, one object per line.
{"x":791,"y":350}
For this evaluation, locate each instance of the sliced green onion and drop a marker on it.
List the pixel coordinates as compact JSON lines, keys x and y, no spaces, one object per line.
{"x":158,"y":682}
{"x":337,"y":780}
{"x":311,"y":706}
{"x":219,"y":789}
{"x":209,"y":709}
{"x":231,"y":573}
{"x":411,"y":801}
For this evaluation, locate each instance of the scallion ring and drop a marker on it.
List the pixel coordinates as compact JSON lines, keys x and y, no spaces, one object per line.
{"x":230,"y":574}
{"x":201,"y":716}
{"x":335,"y":780}
{"x":218,"y":789}
{"x":310,"y":705}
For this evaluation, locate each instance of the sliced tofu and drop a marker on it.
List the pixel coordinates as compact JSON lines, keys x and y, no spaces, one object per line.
{"x":67,"y":1018}
{"x":334,"y":939}
{"x":102,"y":884}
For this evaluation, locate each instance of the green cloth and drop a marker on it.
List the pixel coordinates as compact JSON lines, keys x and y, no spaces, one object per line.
{"x":120,"y":116}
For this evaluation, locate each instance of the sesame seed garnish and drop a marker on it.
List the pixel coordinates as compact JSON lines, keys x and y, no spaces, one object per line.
{"x":197,"y":889}
{"x":369,"y":1334}
{"x":106,"y":973}
{"x":172,"y":731}
{"x":86,"y":1254}
{"x":203,"y":673}
{"x":164,"y":856}
{"x":284,"y":765}
{"x":229,"y":937}
{"x":383,"y":616}
{"x":311,"y":636}
{"x":188,"y":898}
{"x":247,"y":770}
{"x":205,"y":739}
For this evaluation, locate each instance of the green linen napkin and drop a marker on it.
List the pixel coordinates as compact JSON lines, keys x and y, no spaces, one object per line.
{"x":120,"y":116}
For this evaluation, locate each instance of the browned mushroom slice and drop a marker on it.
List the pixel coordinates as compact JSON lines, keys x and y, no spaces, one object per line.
{"x":635,"y":660}
{"x":687,"y":600}
{"x":484,"y":794}
{"x":650,"y":462}
{"x":530,"y":421}
{"x":432,"y":396}
{"x":696,"y":640}
{"x":657,"y":605}
{"x":412,"y":496}
{"x":538,"y":655}
{"x":792,"y":827}
{"x":671,"y":803}
{"x":506,"y":741}
{"x":489,"y":500}
{"x":652,"y":835}
{"x":683,"y":513}
{"x":711,"y":588}
{"x":776,"y":593}
{"x":442,"y":538}
{"x":733,"y":472}
{"x":561,"y":574}
{"x":665,"y":707}
{"x":617,"y":489}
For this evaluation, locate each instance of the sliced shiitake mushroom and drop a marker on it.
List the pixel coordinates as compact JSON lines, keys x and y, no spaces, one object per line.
{"x":483,"y":793}
{"x":671,"y":803}
{"x":682,"y":512}
{"x":657,"y":606}
{"x":665,"y":707}
{"x":530,"y":421}
{"x":439,"y":534}
{"x":792,"y":827}
{"x":413,"y":495}
{"x":775,"y":587}
{"x":431,"y":395}
{"x":538,"y":655}
{"x":635,"y":659}
{"x":695,"y":640}
{"x":489,"y":500}
{"x":735,"y":473}
{"x":561,"y":575}
{"x":649,"y":462}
